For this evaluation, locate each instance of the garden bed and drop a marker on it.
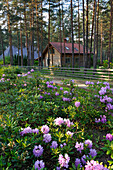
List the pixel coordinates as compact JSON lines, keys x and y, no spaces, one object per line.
{"x":54,"y":126}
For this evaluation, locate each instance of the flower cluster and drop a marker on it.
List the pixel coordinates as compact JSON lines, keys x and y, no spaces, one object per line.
{"x":54,"y":144}
{"x":59,"y":121}
{"x":89,"y":82}
{"x":92,"y":165}
{"x":63,"y":161}
{"x":47,"y":138}
{"x":101,"y":119}
{"x":38,"y":150}
{"x":109,"y":137}
{"x":29,"y":130}
{"x":39,"y":164}
{"x":65,"y":99}
{"x":45,"y":129}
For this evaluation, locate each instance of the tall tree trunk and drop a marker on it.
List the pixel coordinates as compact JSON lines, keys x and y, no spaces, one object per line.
{"x":25,"y":24}
{"x":10,"y":34}
{"x":63,"y":35}
{"x":84,"y":45}
{"x":92,"y":33}
{"x":94,"y":57}
{"x":79,"y":32}
{"x":18,"y":46}
{"x":38,"y":45}
{"x":32,"y":42}
{"x":86,"y":58}
{"x":72,"y":36}
{"x":49,"y":37}
{"x":41,"y":35}
{"x":21,"y":47}
{"x":110,"y":34}
{"x":60,"y":35}
{"x":97,"y":30}
{"x":1,"y":40}
{"x":101,"y":46}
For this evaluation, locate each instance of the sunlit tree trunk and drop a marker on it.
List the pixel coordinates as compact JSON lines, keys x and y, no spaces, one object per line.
{"x":92,"y":34}
{"x":41,"y":35}
{"x":1,"y":40}
{"x":79,"y":32}
{"x":101,"y":45}
{"x":97,"y":31}
{"x":60,"y":34}
{"x":110,"y":34}
{"x":49,"y":35}
{"x":21,"y":47}
{"x":32,"y":30}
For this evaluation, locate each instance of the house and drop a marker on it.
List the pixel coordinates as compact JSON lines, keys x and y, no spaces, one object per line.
{"x":55,"y":50}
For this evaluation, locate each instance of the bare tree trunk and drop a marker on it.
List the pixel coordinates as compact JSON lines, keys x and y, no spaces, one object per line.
{"x":92,"y":33}
{"x":101,"y":46}
{"x":83,"y":35}
{"x":79,"y":32}
{"x":25,"y":24}
{"x":18,"y":46}
{"x":94,"y":57}
{"x":1,"y":40}
{"x":63,"y":36}
{"x":86,"y":58}
{"x":10,"y":34}
{"x":110,"y":34}
{"x":72,"y":36}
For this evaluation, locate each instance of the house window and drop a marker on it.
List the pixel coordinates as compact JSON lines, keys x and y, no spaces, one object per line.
{"x":76,"y":49}
{"x":76,"y":60}
{"x":52,"y":51}
{"x":68,"y":60}
{"x":67,"y":48}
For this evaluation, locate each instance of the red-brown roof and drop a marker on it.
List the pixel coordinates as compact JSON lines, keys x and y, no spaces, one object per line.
{"x":68,"y":47}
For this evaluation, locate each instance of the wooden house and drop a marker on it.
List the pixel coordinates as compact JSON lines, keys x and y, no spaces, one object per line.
{"x":62,"y":53}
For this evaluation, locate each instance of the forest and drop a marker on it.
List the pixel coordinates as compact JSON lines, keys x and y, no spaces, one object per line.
{"x":35,"y":23}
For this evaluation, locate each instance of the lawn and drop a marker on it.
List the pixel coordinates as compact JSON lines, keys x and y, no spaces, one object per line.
{"x":51,"y":127}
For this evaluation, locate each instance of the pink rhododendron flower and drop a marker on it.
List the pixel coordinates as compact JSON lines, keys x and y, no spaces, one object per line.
{"x":45,"y":129}
{"x":59,"y":121}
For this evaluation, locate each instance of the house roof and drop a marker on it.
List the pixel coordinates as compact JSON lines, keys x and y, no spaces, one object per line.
{"x":68,"y":47}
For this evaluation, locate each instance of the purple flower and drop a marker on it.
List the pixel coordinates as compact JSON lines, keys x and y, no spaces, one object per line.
{"x":66,"y":92}
{"x":61,"y":145}
{"x":59,"y":121}
{"x":77,"y":162}
{"x":61,"y":88}
{"x":109,"y":106}
{"x":47,"y":138}
{"x":19,"y":75}
{"x":57,"y":168}
{"x":3,"y":75}
{"x":67,"y":122}
{"x":26,"y":130}
{"x":35,"y":130}
{"x":39,"y":164}
{"x":74,"y":98}
{"x":50,"y":86}
{"x":93,"y":152}
{"x":77,"y":104}
{"x":66,"y":99}
{"x":72,"y":81}
{"x":54,"y":145}
{"x":109,"y":137}
{"x":97,"y":120}
{"x":55,"y":87}
{"x":103,"y":119}
{"x":51,"y":82}
{"x":93,"y":165}
{"x":89,"y":143}
{"x":45,"y":92}
{"x":45,"y":129}
{"x":79,"y":146}
{"x":41,"y":97}
{"x":83,"y":159}
{"x":28,"y":72}
{"x":64,"y":144}
{"x":56,"y":94}
{"x":32,"y":70}
{"x":48,"y":94}
{"x":47,"y":82}
{"x":63,"y":161}
{"x":69,"y":133}
{"x":38,"y":150}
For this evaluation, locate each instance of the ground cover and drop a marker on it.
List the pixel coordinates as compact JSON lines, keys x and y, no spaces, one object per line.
{"x":46,"y":126}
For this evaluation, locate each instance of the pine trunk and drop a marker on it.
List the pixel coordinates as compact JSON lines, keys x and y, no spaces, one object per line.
{"x":49,"y":37}
{"x":72,"y":36}
{"x":92,"y":33}
{"x":10,"y":34}
{"x":83,"y":35}
{"x":97,"y":31}
{"x":110,"y":34}
{"x":101,"y":46}
{"x":86,"y":58}
{"x":25,"y":24}
{"x":79,"y":32}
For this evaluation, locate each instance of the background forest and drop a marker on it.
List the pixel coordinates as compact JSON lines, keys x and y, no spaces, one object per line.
{"x":35,"y":23}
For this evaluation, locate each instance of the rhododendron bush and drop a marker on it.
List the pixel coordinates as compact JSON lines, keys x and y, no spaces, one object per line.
{"x":46,"y":126}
